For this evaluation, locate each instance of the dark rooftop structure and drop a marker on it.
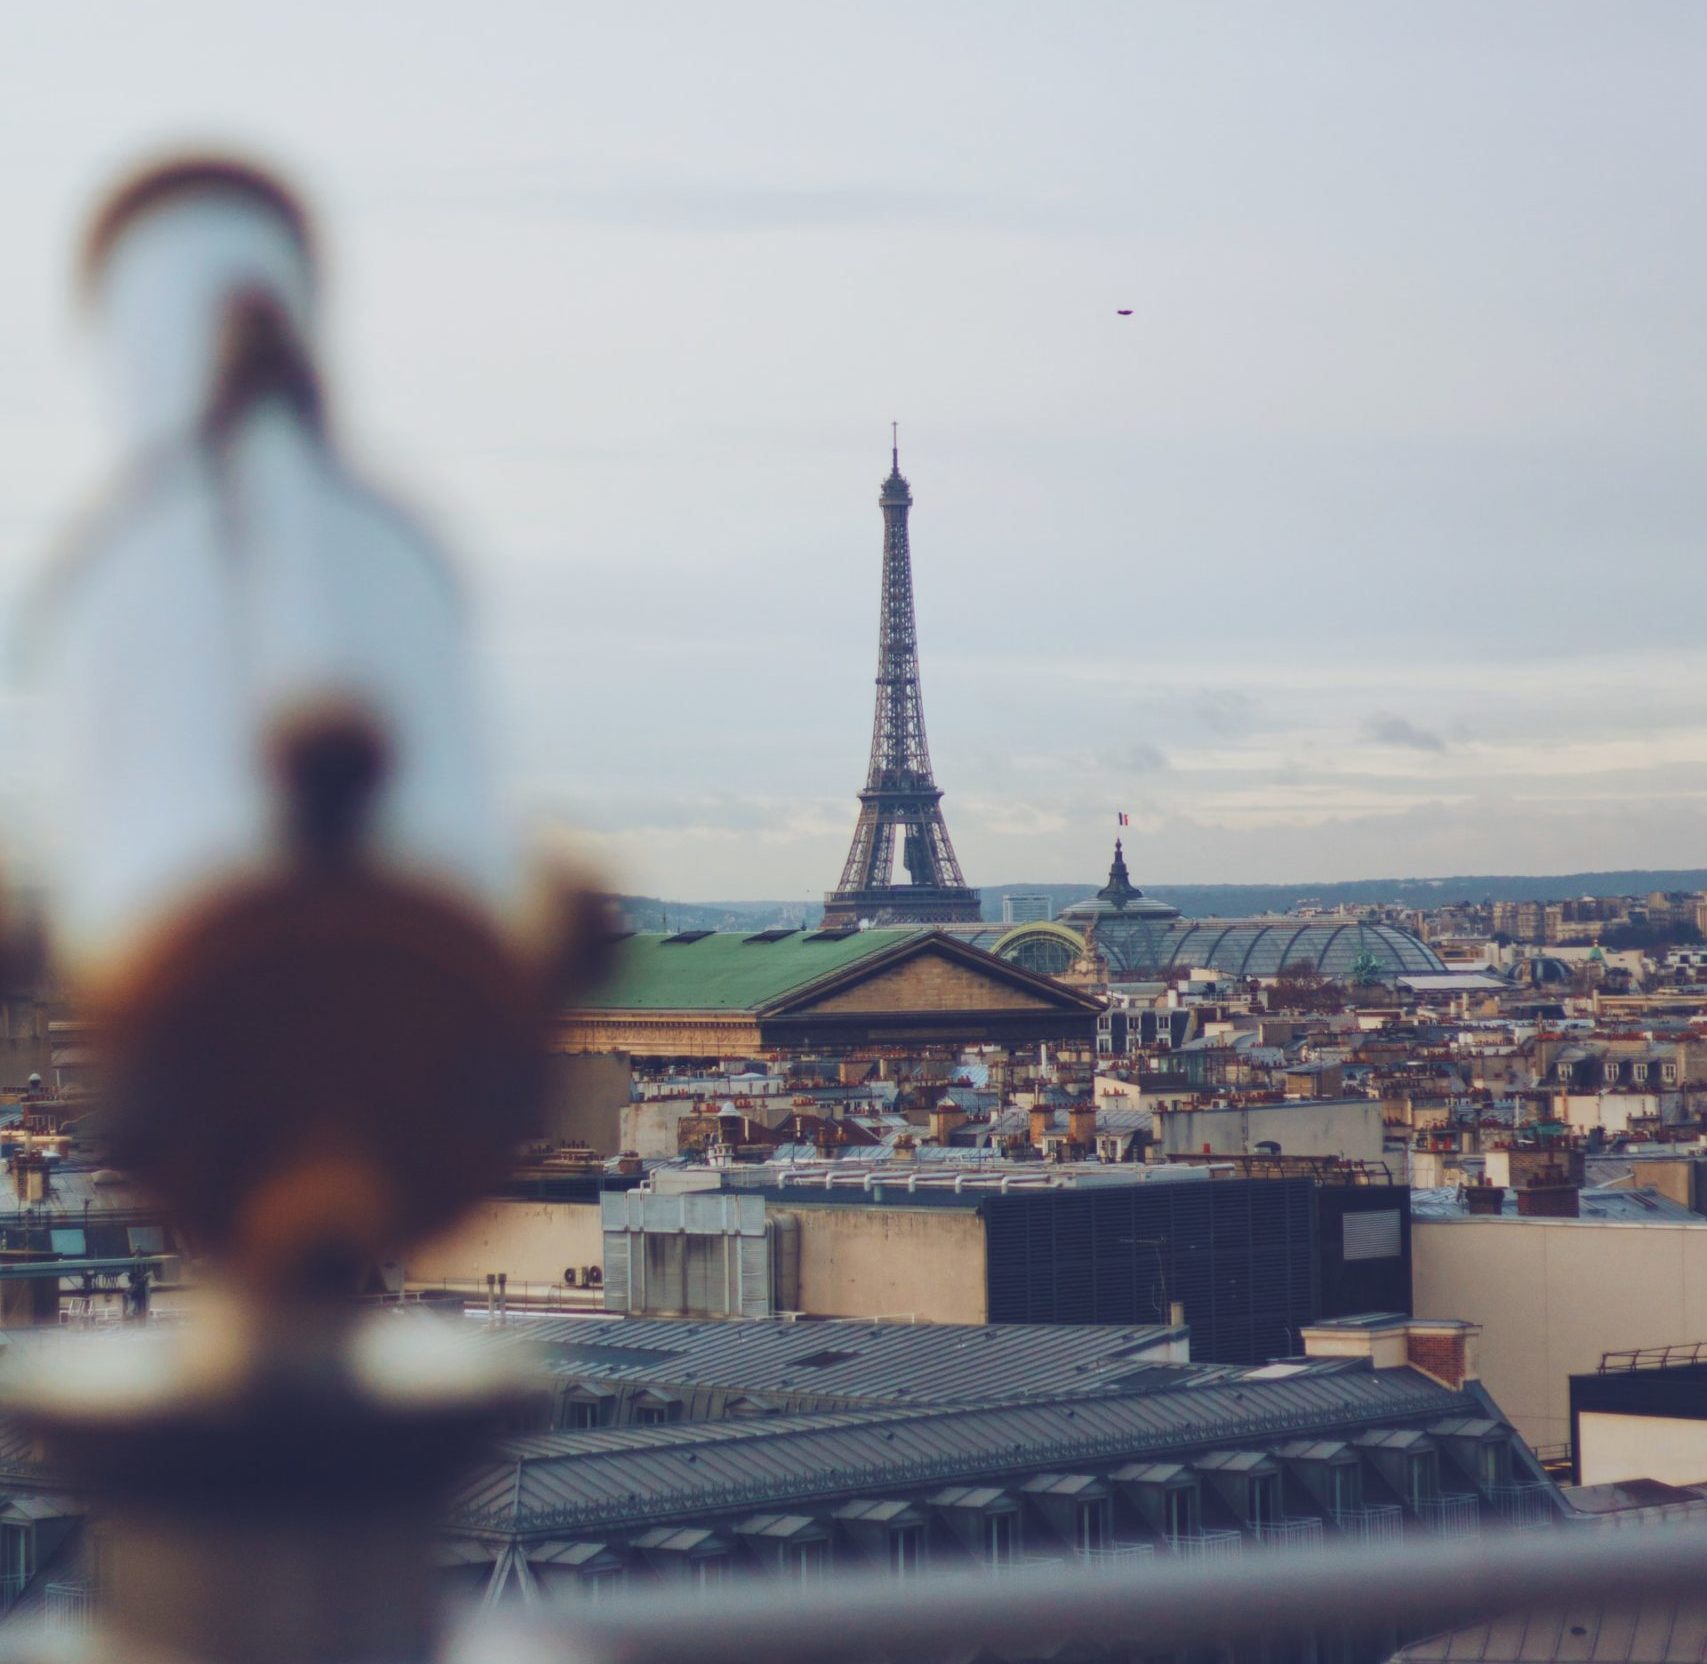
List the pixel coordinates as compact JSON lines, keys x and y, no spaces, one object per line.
{"x":1175,"y":1461}
{"x":709,"y":1369}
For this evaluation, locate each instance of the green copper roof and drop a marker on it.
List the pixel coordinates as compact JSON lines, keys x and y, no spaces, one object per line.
{"x":727,"y":971}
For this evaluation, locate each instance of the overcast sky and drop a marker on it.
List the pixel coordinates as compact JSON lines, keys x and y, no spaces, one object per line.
{"x":1370,"y":544}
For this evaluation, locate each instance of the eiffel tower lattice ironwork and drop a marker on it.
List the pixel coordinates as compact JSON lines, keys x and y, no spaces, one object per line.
{"x":900,"y":795}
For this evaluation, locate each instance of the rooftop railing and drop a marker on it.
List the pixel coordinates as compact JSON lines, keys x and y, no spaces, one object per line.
{"x":1451,"y":1516}
{"x":70,"y":1604}
{"x":1208,"y":1545}
{"x":1380,"y":1523}
{"x":1525,"y":1506}
{"x":1115,"y":1556}
{"x":1677,"y":1356}
{"x":1305,"y":1532}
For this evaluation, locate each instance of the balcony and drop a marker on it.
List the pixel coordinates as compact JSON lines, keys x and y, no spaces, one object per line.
{"x":1451,"y":1516}
{"x":70,"y":1605}
{"x":1526,"y":1507}
{"x":1208,"y":1545}
{"x":1121,"y":1556}
{"x":1384,"y":1523}
{"x":1303,"y":1532}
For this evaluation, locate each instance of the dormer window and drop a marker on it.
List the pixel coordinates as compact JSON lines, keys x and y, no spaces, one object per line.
{"x":1092,"y":1526}
{"x":1422,"y":1477}
{"x":17,"y":1561}
{"x":906,"y":1551}
{"x":711,"y":1571}
{"x":808,"y":1560}
{"x":1180,"y":1511}
{"x":1494,"y":1464}
{"x":1264,"y":1505}
{"x":1345,"y":1486}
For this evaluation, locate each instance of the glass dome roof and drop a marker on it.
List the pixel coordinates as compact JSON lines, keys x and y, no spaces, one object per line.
{"x":1138,"y":948}
{"x":1261,"y":947}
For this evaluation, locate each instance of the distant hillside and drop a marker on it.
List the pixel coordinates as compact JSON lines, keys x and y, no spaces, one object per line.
{"x":651,"y":913}
{"x":1199,"y":901}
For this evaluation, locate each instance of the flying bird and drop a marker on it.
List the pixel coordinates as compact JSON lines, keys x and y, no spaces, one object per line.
{"x":1125,"y":311}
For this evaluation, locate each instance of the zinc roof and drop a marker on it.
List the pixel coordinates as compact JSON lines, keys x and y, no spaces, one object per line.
{"x":1628,"y":1207}
{"x":550,"y":1484}
{"x":1651,"y":1632}
{"x":852,"y":1361}
{"x":727,"y":971}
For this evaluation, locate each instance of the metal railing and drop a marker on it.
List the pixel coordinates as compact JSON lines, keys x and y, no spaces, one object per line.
{"x":12,"y":1585}
{"x":1526,"y":1505}
{"x":1208,"y":1545}
{"x":1379,"y":1523}
{"x":1116,"y":1555}
{"x":70,"y":1605}
{"x":1451,"y":1516}
{"x":1302,"y":1532}
{"x":1675,"y":1356}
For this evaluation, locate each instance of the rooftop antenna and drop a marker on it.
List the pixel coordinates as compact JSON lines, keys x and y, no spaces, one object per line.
{"x":895,"y":446}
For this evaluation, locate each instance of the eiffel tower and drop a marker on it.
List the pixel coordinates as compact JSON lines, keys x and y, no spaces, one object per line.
{"x":900,"y":795}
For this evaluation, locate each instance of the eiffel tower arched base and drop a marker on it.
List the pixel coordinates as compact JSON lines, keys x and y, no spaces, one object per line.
{"x":901,"y":904}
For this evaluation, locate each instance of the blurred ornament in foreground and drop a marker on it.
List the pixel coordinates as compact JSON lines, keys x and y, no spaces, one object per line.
{"x":279,"y":877}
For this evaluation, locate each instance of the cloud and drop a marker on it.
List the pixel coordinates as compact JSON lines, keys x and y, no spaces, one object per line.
{"x":1395,"y":730}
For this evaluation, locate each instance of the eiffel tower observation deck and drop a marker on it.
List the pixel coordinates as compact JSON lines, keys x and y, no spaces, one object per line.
{"x":900,"y":808}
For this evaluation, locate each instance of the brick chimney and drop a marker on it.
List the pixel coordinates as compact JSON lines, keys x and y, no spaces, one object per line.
{"x":1082,"y":1126}
{"x":1549,"y":1194}
{"x":1041,"y":1116}
{"x":1484,"y":1198}
{"x":1445,"y":1349}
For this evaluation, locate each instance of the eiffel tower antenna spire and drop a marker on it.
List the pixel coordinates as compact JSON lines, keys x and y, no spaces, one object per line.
{"x":900,"y":793}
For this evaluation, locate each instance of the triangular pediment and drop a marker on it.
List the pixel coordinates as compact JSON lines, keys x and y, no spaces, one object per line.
{"x":929,"y":980}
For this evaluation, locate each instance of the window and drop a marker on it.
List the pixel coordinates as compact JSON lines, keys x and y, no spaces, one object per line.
{"x":1494,"y":1464}
{"x":1422,"y":1477}
{"x":906,"y":1551}
{"x":1092,"y":1526}
{"x":575,"y":1413}
{"x":602,"y":1585}
{"x":1668,"y":1073}
{"x":1181,"y":1512}
{"x":654,"y":1415}
{"x":710,"y":1571}
{"x":17,"y":1561}
{"x":1000,"y":1534}
{"x":1264,"y":1500}
{"x":1345,"y":1486}
{"x":810,"y":1559}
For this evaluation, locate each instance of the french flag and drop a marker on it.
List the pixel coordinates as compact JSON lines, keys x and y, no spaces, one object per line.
{"x":1125,"y":819}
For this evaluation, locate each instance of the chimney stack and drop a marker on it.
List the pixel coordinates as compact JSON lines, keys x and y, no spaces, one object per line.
{"x":1549,"y":1194}
{"x":1082,"y":1126}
